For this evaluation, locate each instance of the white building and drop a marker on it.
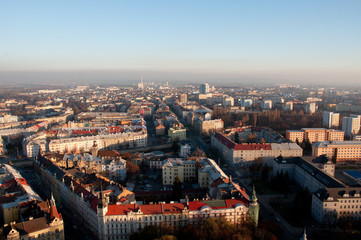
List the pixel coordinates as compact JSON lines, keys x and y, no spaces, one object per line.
{"x":351,"y":125}
{"x":266,"y":104}
{"x":340,"y":151}
{"x":116,"y":168}
{"x":204,"y":88}
{"x":121,"y":221}
{"x":9,"y":119}
{"x":245,"y":154}
{"x":331,"y":204}
{"x":287,"y":106}
{"x":311,"y":107}
{"x":185,"y":150}
{"x":247,"y":102}
{"x":331,"y":119}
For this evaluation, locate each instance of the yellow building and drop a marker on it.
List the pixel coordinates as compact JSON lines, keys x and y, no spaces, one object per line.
{"x":177,"y":134}
{"x":341,"y":151}
{"x":315,"y":135}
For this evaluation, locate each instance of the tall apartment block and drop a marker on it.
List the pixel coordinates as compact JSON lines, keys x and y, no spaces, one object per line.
{"x":351,"y":125}
{"x":331,"y":119}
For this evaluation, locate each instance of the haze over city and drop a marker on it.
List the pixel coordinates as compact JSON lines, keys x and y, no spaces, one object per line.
{"x":233,"y":42}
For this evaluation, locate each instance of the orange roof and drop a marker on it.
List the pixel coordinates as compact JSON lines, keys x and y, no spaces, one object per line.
{"x":146,"y":209}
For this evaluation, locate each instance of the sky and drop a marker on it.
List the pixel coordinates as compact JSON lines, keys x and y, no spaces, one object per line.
{"x":231,"y":41}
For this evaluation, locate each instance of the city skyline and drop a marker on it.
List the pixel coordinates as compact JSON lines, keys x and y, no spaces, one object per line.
{"x":237,"y":42}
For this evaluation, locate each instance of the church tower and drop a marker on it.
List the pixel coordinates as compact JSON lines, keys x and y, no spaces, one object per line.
{"x":102,"y":209}
{"x":253,"y":209}
{"x":94,"y":149}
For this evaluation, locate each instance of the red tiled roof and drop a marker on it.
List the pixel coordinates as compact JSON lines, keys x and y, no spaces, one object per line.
{"x":225,"y":141}
{"x":166,"y":208}
{"x":121,"y":209}
{"x":22,"y":181}
{"x":82,"y":132}
{"x":232,"y":145}
{"x":196,"y":205}
{"x":229,"y":203}
{"x":252,"y":146}
{"x":108,"y":153}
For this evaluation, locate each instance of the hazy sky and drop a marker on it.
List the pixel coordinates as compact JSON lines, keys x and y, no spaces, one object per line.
{"x":318,"y":40}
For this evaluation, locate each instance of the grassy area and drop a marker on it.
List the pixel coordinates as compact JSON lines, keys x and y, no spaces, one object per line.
{"x":263,"y":188}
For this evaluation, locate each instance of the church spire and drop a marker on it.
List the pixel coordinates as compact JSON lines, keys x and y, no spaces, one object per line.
{"x":53,"y":210}
{"x":254,"y":196}
{"x":304,"y":236}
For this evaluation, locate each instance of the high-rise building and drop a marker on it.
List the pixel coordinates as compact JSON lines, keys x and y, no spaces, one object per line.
{"x":141,"y":84}
{"x":266,"y":104}
{"x":331,"y":119}
{"x":288,"y":106}
{"x":311,"y":107}
{"x":204,"y":88}
{"x":351,"y":125}
{"x":247,"y":103}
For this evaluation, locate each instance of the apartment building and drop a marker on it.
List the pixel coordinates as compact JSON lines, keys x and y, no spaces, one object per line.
{"x":176,"y":134}
{"x":351,"y":125}
{"x":310,"y":173}
{"x":340,"y":151}
{"x":331,"y":204}
{"x":315,"y":135}
{"x":244,"y":154}
{"x":84,"y":143}
{"x":123,"y":220}
{"x":207,"y":126}
{"x":185,"y":170}
{"x":331,"y":119}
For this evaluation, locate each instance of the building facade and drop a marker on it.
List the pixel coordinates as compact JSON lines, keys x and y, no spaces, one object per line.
{"x":245,"y":154}
{"x":331,"y":119}
{"x":351,"y":125}
{"x":315,"y":135}
{"x":340,"y":151}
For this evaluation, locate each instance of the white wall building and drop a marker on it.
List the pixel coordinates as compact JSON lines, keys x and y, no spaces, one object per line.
{"x":331,"y":119}
{"x":245,"y":154}
{"x":351,"y":125}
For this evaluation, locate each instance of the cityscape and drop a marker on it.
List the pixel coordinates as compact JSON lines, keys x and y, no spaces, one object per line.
{"x":221,"y":121}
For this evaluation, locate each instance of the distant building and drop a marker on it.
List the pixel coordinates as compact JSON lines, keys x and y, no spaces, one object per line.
{"x":204,"y":88}
{"x":9,"y":119}
{"x":185,"y":150}
{"x":245,"y":154}
{"x":160,"y":130}
{"x":351,"y":125}
{"x":207,"y":126}
{"x":177,"y":133}
{"x":315,"y":135}
{"x":331,"y":204}
{"x":287,"y":106}
{"x":340,"y":151}
{"x":183,"y":98}
{"x":331,"y":119}
{"x":185,"y":170}
{"x":266,"y":104}
{"x":247,"y":103}
{"x":311,"y":108}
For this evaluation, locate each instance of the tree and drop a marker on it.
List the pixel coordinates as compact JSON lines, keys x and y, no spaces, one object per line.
{"x":265,"y":173}
{"x":132,"y":169}
{"x":177,"y":189}
{"x":236,"y":137}
{"x":167,"y":237}
{"x":175,"y":147}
